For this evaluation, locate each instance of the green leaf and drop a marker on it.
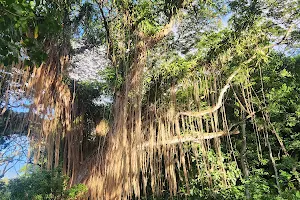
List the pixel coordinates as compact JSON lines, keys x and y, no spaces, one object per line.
{"x":285,"y":73}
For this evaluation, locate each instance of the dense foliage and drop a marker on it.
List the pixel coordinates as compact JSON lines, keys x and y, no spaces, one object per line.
{"x":38,"y":184}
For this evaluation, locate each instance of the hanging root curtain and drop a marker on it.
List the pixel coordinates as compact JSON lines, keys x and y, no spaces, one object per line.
{"x":147,"y":147}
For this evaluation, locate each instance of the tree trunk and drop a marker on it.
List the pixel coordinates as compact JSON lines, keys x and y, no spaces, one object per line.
{"x":244,"y":156}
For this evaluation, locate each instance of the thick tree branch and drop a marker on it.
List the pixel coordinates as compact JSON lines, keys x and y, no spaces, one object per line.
{"x":191,"y":137}
{"x":161,"y":34}
{"x":3,"y":111}
{"x":106,"y":27}
{"x":219,"y":103}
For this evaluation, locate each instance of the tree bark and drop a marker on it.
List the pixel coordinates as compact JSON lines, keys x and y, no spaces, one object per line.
{"x":244,"y":156}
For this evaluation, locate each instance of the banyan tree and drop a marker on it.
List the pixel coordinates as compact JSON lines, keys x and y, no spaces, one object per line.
{"x":181,"y":88}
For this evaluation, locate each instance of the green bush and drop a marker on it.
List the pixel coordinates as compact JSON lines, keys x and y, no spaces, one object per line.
{"x":41,"y":184}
